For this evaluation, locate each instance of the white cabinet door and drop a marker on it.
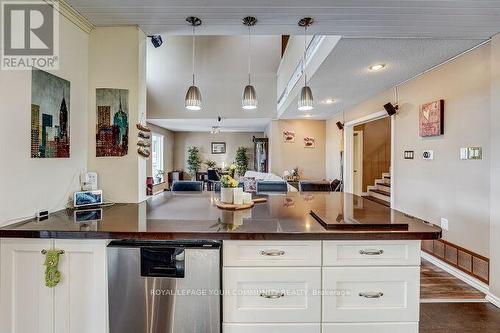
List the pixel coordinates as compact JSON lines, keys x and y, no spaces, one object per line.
{"x":81,"y":297}
{"x":271,"y":328}
{"x":26,"y":304}
{"x":371,"y":294}
{"x":272,"y":253}
{"x":272,"y":295}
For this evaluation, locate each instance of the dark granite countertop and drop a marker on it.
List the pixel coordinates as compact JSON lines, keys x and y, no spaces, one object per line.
{"x":195,"y":216}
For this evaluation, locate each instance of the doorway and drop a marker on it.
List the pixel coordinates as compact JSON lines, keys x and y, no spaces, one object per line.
{"x":368,"y":146}
{"x":358,"y":162}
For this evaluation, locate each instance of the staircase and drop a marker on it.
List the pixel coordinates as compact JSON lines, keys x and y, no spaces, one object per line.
{"x":381,"y":191}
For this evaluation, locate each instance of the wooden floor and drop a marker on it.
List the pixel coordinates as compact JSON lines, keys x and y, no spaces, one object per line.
{"x":459,"y":318}
{"x":437,"y":284}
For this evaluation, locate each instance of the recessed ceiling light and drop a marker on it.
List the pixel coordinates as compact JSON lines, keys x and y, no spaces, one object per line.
{"x":307,"y":115}
{"x":376,"y":67}
{"x":329,"y":101}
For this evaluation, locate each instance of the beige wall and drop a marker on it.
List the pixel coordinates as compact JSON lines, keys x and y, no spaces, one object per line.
{"x":184,"y":140}
{"x":495,"y":168}
{"x":168,"y":150}
{"x":30,"y":184}
{"x":117,"y":60}
{"x":286,"y":156}
{"x":445,"y":187}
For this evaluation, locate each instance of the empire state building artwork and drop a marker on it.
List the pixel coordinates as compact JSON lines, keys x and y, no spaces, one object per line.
{"x":50,"y":115}
{"x":111,"y":122}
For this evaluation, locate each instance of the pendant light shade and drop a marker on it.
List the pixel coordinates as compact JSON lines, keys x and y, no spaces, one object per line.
{"x":192,"y":101}
{"x":306,"y":100}
{"x":249,"y":99}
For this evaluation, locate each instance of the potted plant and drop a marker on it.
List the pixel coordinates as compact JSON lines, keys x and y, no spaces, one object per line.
{"x":193,"y":161}
{"x":210,"y":164}
{"x":227,"y":185}
{"x":241,"y":161}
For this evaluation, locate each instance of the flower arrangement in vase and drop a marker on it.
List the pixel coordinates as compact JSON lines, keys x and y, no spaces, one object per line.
{"x":227,"y":186}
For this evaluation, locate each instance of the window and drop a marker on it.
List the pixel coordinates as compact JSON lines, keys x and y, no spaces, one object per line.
{"x":157,"y":158}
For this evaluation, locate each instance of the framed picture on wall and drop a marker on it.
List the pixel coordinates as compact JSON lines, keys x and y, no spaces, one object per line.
{"x":431,"y":119}
{"x":288,"y":136}
{"x":309,"y":142}
{"x":218,"y":147}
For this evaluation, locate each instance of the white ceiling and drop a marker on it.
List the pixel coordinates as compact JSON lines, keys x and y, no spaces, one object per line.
{"x":205,"y":125}
{"x":344,"y":75}
{"x":221,"y":75}
{"x":350,"y":18}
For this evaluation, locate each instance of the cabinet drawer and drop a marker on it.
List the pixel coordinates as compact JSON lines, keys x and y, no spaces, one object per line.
{"x":272,"y":253}
{"x":371,"y":294}
{"x":371,"y":253}
{"x":271,"y":328}
{"x":371,"y":327}
{"x":271,"y":295}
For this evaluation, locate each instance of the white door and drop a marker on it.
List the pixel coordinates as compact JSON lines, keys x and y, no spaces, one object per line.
{"x":26,"y":304}
{"x":358,"y":163}
{"x":81,"y":297}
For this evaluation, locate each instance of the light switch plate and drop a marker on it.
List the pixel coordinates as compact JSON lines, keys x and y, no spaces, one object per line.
{"x":464,"y":153}
{"x":428,"y":154}
{"x":475,"y":153}
{"x":444,"y":224}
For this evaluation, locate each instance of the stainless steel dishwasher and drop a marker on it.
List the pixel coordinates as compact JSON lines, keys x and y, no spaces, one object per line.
{"x":164,"y":287}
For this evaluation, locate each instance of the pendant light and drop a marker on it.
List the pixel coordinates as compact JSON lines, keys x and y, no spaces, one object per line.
{"x":193,"y":95}
{"x":249,"y":100}
{"x":306,"y":101}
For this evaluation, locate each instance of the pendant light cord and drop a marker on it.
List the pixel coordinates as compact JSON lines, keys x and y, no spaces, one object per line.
{"x":249,"y":55}
{"x":193,"y":52}
{"x":305,"y":56}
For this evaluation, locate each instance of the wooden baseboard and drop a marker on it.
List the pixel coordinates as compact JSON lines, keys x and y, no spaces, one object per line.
{"x":465,"y":260}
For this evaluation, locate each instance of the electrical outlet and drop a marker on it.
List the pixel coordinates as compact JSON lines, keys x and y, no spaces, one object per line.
{"x":444,"y":224}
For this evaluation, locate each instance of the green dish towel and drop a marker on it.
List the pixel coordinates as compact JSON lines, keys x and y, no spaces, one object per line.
{"x":52,"y":275}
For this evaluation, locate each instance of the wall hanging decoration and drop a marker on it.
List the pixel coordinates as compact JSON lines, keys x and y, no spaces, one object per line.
{"x":309,"y":142}
{"x":431,"y":119}
{"x":144,"y":140}
{"x":111,"y":122}
{"x":288,"y":136}
{"x":218,"y":147}
{"x":50,"y":115}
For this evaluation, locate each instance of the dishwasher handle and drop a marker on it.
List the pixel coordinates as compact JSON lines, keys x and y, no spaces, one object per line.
{"x":162,"y":262}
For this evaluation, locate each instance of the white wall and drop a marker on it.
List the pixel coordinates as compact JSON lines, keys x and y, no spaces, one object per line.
{"x":446,"y":187}
{"x":221,"y":75}
{"x":117,"y":58}
{"x":29,"y":184}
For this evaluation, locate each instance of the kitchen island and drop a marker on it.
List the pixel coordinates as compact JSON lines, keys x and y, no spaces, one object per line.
{"x":361,"y":276}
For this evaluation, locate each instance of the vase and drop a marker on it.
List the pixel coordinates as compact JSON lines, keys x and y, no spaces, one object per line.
{"x":226,"y":195}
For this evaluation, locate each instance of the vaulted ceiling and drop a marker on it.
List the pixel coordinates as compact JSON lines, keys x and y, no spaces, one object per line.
{"x":347,"y":18}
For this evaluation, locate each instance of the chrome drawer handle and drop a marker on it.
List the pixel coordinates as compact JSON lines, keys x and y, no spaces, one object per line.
{"x":367,"y":252}
{"x":272,"y":295}
{"x":272,"y":253}
{"x":371,"y":294}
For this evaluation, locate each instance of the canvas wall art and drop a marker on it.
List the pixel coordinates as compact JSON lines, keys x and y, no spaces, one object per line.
{"x":218,"y":147}
{"x":112,"y":122}
{"x":50,"y":115}
{"x":288,"y":136}
{"x":431,"y":119}
{"x":309,"y":142}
